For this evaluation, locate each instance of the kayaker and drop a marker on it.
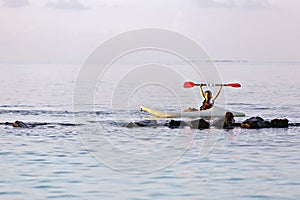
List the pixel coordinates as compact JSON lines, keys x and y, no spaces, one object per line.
{"x":208,"y":101}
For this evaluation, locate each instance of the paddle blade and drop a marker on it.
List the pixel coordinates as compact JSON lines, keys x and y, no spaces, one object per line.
{"x":188,"y":84}
{"x":233,"y":84}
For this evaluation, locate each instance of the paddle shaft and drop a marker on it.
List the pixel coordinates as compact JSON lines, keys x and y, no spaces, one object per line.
{"x":210,"y":84}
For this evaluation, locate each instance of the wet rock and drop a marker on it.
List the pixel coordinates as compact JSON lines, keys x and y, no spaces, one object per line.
{"x":19,"y":124}
{"x":294,"y":124}
{"x":147,"y":123}
{"x":130,"y":125}
{"x":280,"y":123}
{"x":232,"y":126}
{"x":175,"y":124}
{"x":199,"y":124}
{"x":8,"y":124}
{"x":142,"y":123}
{"x":256,"y":123}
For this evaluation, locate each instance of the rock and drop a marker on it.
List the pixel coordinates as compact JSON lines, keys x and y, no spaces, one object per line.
{"x":130,"y":125}
{"x":19,"y":124}
{"x":294,"y":124}
{"x":280,"y":123}
{"x":175,"y":124}
{"x":146,"y":123}
{"x":256,"y":123}
{"x":199,"y":124}
{"x":141,"y":123}
{"x":8,"y":124}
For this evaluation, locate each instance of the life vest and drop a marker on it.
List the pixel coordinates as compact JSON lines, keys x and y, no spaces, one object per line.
{"x":206,"y":105}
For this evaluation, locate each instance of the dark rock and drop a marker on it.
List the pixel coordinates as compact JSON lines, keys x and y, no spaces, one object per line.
{"x":130,"y":125}
{"x":175,"y":124}
{"x":267,"y":124}
{"x":8,"y":123}
{"x":141,"y":123}
{"x":19,"y":124}
{"x":280,"y":123}
{"x":232,"y":126}
{"x":146,"y":123}
{"x":199,"y":124}
{"x":294,"y":124}
{"x":255,"y":123}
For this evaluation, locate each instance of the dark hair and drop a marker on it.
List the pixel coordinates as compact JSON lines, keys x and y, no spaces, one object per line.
{"x":209,"y":92}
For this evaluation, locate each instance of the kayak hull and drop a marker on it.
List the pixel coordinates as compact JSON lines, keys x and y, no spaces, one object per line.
{"x":212,"y":112}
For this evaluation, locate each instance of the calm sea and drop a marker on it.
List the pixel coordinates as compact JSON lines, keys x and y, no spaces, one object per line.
{"x":100,"y":159}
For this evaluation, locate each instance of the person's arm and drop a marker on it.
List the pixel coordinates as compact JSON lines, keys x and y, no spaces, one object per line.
{"x":201,"y":92}
{"x":217,"y":94}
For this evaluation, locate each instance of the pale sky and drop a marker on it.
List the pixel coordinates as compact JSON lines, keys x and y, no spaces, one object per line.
{"x":66,"y":31}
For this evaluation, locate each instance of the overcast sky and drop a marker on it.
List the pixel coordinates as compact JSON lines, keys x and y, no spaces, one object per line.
{"x":66,"y":31}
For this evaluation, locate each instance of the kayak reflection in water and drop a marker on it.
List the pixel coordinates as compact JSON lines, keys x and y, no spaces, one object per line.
{"x":208,"y":101}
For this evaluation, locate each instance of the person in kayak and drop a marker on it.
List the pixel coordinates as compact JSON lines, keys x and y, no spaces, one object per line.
{"x":208,"y":101}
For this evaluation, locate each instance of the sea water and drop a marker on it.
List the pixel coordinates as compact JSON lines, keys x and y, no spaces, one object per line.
{"x":55,"y":160}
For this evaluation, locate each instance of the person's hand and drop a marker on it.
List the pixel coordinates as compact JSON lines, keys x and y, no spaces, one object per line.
{"x":201,"y":84}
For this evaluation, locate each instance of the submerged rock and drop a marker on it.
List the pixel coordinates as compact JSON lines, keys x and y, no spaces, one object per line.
{"x":175,"y":124}
{"x":280,"y":123}
{"x":130,"y":125}
{"x":142,"y":123}
{"x":20,"y":124}
{"x":199,"y":124}
{"x":256,"y":123}
{"x":294,"y":124}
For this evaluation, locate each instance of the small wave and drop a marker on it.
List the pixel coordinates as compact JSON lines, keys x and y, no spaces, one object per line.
{"x":16,"y":106}
{"x":34,"y":112}
{"x":34,"y":124}
{"x":239,"y":104}
{"x":50,"y":112}
{"x":261,"y":108}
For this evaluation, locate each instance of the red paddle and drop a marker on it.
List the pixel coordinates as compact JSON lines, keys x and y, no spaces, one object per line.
{"x":192,"y":84}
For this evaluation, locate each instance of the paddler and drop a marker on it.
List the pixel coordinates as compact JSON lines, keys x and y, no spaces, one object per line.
{"x":208,"y":101}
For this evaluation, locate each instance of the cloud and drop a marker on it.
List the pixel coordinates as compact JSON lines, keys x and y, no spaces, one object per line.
{"x":66,"y":4}
{"x":15,"y":3}
{"x":238,"y":4}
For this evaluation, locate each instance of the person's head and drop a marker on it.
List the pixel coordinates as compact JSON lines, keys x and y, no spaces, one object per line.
{"x":207,"y":94}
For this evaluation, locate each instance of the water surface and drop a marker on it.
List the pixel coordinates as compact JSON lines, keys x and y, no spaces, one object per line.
{"x":50,"y":162}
